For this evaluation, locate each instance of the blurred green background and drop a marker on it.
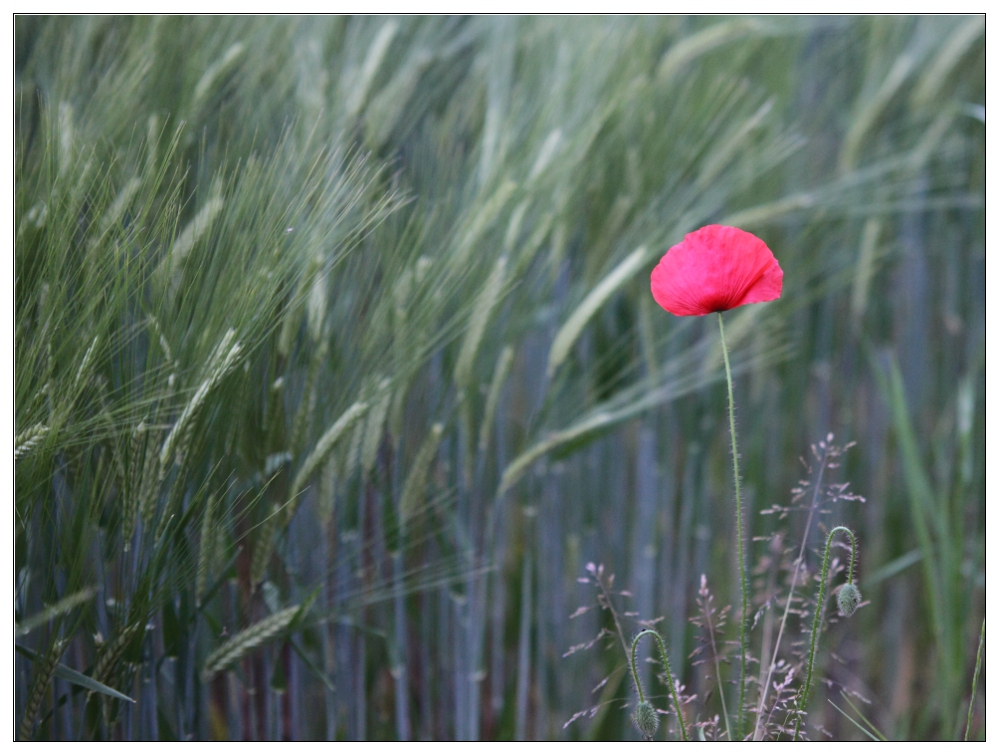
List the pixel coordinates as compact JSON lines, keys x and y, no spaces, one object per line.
{"x":336,"y":364}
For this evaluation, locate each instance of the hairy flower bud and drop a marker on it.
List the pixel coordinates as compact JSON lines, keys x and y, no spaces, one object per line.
{"x":646,"y":719}
{"x":848,"y":599}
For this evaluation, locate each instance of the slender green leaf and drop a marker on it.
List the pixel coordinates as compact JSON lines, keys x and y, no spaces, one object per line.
{"x":76,"y":678}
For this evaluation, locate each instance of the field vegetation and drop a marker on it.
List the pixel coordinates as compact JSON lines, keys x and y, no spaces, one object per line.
{"x":343,"y":410}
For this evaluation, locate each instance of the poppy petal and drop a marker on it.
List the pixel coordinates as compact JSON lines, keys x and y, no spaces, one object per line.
{"x":714,"y":269}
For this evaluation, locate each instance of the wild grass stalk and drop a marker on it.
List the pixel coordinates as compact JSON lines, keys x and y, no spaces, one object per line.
{"x":975,"y":679}
{"x":713,"y":624}
{"x":813,"y":506}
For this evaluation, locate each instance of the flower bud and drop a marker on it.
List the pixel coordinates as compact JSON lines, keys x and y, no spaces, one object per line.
{"x":646,"y":719}
{"x":848,"y":599}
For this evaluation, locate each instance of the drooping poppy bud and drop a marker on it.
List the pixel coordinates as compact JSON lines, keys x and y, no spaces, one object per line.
{"x":714,"y":269}
{"x":848,"y":599}
{"x":647,"y":721}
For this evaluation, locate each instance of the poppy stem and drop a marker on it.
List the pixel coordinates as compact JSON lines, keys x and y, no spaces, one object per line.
{"x":666,"y":668}
{"x":739,"y":537}
{"x":814,"y":637}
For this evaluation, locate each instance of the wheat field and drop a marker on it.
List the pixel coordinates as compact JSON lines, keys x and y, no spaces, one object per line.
{"x":343,"y":410}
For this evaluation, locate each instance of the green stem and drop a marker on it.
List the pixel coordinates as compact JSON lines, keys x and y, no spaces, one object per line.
{"x":739,"y":537}
{"x":975,"y":678}
{"x":814,"y":639}
{"x":666,"y":667}
{"x":635,"y":670}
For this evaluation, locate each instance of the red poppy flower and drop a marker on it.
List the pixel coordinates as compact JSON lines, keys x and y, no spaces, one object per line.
{"x":715,"y":268}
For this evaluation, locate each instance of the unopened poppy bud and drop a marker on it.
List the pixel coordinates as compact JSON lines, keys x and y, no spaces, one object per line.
{"x":848,"y":599}
{"x":646,"y":719}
